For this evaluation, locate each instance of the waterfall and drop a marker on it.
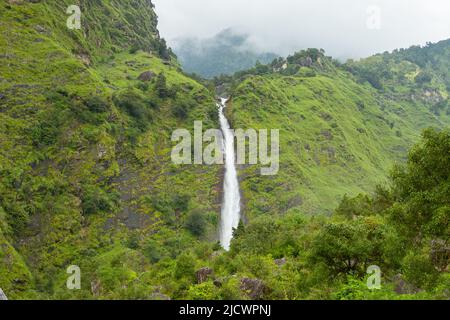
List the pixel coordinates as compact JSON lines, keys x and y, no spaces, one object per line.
{"x":231,"y":207}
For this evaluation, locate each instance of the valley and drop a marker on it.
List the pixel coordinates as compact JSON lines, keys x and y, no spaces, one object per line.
{"x":87,"y":176}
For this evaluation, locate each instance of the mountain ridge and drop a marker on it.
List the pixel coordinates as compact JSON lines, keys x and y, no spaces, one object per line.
{"x":86,"y":177}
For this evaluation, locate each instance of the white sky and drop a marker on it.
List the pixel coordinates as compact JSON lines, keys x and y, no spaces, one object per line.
{"x":285,"y":26}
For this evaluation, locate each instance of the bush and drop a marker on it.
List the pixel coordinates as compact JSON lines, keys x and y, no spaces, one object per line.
{"x":204,"y":291}
{"x":97,"y":104}
{"x":423,"y":77}
{"x":45,"y":133}
{"x":419,"y":270}
{"x":95,"y":199}
{"x":350,"y":247}
{"x":185,"y":266}
{"x":161,"y":86}
{"x":196,"y":223}
{"x":136,"y":105}
{"x":153,"y":251}
{"x":182,"y":107}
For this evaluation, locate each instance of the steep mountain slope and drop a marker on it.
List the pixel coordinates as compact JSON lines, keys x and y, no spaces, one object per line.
{"x":85,"y":149}
{"x":86,"y":177}
{"x":339,"y":134}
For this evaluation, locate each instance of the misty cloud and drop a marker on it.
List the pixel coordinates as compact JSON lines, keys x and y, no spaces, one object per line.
{"x":285,"y":26}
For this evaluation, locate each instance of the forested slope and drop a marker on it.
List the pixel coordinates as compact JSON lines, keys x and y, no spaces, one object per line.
{"x":85,"y":165}
{"x":342,"y":127}
{"x":86,"y":177}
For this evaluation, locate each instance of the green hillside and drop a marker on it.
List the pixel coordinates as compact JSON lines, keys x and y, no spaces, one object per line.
{"x":339,"y":134}
{"x":85,"y":148}
{"x":86,"y":177}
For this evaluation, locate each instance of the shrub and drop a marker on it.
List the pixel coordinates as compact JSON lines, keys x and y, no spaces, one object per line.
{"x":185,"y":266}
{"x":419,"y":270}
{"x":136,"y":105}
{"x":182,"y":107}
{"x":95,"y":199}
{"x":196,"y":223}
{"x":161,"y":86}
{"x":97,"y":104}
{"x":423,"y":77}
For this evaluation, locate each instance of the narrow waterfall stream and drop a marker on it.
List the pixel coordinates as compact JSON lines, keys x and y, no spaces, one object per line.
{"x":231,"y":200}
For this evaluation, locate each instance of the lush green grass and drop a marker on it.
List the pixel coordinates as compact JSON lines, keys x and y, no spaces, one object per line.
{"x":82,"y":176}
{"x":337,"y":137}
{"x":86,"y":177}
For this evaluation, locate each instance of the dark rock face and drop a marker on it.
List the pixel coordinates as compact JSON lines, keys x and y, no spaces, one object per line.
{"x":2,"y":295}
{"x":203,"y":274}
{"x":254,"y":288}
{"x":146,"y":76}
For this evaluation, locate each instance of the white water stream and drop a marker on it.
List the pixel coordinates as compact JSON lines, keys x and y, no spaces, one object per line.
{"x":231,"y":200}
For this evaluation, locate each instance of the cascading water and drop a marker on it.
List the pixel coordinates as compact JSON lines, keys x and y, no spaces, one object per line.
{"x":231,"y":201}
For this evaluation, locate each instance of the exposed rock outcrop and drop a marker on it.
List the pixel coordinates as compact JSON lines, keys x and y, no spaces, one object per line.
{"x":203,"y":274}
{"x":146,"y":76}
{"x":254,"y":288}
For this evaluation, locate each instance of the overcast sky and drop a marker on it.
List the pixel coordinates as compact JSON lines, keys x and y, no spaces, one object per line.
{"x":344,"y":28}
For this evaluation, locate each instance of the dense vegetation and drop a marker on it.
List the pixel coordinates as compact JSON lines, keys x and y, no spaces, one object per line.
{"x":85,"y":147}
{"x":339,"y":134}
{"x":86,"y":177}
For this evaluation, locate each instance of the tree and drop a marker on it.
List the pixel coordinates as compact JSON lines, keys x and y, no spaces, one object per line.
{"x":422,"y":188}
{"x":196,"y":223}
{"x":161,"y":86}
{"x":352,"y":207}
{"x":423,"y":77}
{"x":350,"y":247}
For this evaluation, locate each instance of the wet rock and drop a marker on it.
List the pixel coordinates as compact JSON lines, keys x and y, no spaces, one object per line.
{"x":96,"y":288}
{"x":40,"y":29}
{"x":254,"y":288}
{"x":146,"y":76}
{"x":280,"y":262}
{"x":203,"y":274}
{"x":2,"y":295}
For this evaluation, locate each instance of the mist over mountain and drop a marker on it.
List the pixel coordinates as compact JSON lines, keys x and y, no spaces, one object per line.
{"x":342,"y":28}
{"x":226,"y":53}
